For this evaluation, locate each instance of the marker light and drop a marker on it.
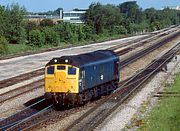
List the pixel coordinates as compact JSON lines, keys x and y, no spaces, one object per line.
{"x":55,"y":60}
{"x":66,"y":60}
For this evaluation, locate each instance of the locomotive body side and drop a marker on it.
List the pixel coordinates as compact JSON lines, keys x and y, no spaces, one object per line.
{"x":100,"y":72}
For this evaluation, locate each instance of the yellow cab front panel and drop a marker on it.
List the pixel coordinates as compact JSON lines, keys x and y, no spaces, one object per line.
{"x":61,"y":78}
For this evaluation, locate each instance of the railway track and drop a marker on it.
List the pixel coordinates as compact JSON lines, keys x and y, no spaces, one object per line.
{"x":18,"y":91}
{"x":21,"y":90}
{"x":20,"y":123}
{"x":20,"y":78}
{"x":147,"y":50}
{"x":17,"y":120}
{"x":95,"y":116}
{"x":89,"y":121}
{"x":108,"y":105}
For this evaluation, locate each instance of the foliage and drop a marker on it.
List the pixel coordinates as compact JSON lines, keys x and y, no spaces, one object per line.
{"x":102,"y":17}
{"x":131,"y":11}
{"x":3,"y":45}
{"x":67,"y":32}
{"x":36,"y":38}
{"x":11,"y":19}
{"x":51,"y":37}
{"x":101,"y":22}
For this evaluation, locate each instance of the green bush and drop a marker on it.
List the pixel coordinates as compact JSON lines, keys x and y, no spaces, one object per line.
{"x":51,"y":37}
{"x":67,"y":32}
{"x":36,"y":38}
{"x":3,"y":45}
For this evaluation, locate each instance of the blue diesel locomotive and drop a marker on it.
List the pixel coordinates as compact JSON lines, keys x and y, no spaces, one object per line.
{"x":73,"y":80}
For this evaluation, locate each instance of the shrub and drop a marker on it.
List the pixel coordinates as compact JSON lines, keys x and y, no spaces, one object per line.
{"x":36,"y":38}
{"x":3,"y":45}
{"x":51,"y":37}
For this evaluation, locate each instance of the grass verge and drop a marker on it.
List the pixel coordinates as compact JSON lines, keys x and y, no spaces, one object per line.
{"x":166,"y":115}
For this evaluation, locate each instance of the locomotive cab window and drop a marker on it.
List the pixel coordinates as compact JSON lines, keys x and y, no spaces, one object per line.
{"x":50,"y":70}
{"x":71,"y":71}
{"x":61,"y":67}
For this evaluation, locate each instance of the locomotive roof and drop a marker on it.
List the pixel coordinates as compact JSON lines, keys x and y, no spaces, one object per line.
{"x":84,"y":59}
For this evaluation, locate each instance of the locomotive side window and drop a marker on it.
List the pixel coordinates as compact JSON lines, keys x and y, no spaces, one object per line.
{"x":50,"y":70}
{"x":61,"y":67}
{"x":71,"y":71}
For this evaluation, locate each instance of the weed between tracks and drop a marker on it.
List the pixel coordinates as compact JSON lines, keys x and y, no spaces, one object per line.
{"x":166,"y":115}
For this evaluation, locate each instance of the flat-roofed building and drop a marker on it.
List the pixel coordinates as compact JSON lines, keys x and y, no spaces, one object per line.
{"x":74,"y":16}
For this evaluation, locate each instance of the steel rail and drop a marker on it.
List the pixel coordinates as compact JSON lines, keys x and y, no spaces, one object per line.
{"x":17,"y":125}
{"x":19,"y":116}
{"x":147,"y":50}
{"x":14,"y":80}
{"x":21,"y":90}
{"x":143,"y":40}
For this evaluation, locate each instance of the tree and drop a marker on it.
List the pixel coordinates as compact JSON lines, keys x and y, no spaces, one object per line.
{"x":150,"y":14}
{"x":2,"y":20}
{"x":14,"y":30}
{"x":131,"y":11}
{"x":102,"y":17}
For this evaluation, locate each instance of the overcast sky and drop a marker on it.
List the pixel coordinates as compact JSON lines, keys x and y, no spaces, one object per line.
{"x":46,"y":5}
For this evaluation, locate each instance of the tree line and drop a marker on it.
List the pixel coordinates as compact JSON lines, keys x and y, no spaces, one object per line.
{"x":101,"y":21}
